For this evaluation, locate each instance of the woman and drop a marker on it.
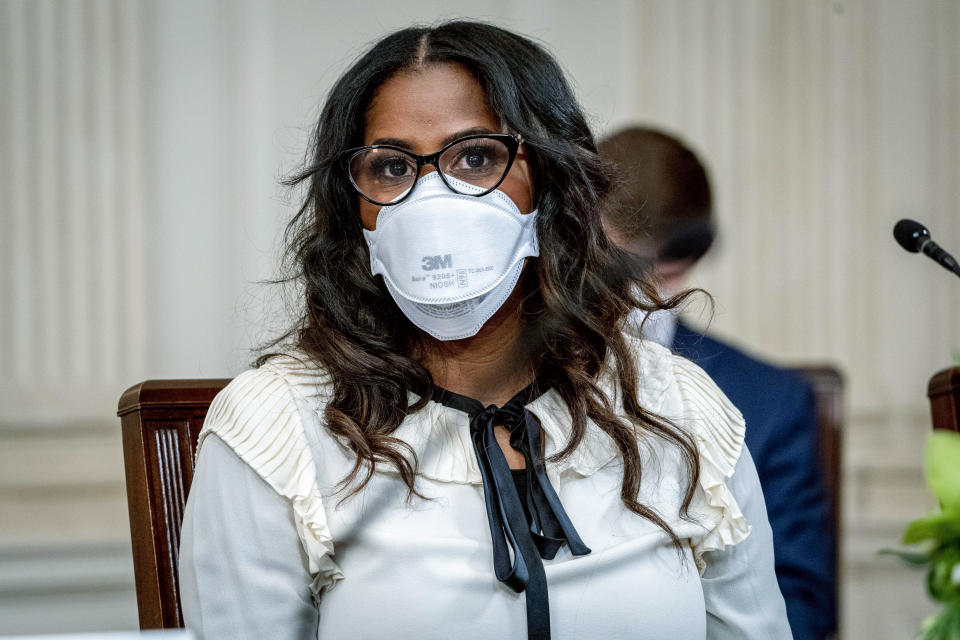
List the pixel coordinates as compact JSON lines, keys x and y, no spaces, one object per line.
{"x":462,"y":443}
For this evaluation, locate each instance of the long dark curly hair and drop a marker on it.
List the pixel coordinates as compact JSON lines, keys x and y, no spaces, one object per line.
{"x":578,"y":292}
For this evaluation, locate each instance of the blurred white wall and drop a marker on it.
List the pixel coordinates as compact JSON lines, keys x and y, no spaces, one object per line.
{"x":140,"y":146}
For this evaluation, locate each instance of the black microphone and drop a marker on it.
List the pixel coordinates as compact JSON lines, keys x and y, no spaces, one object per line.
{"x":915,"y":238}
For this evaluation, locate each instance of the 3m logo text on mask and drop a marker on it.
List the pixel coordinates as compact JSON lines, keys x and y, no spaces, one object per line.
{"x":431,"y":263}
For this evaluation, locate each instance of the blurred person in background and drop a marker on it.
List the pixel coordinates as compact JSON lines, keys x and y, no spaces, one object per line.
{"x":456,"y":426}
{"x":662,"y":212}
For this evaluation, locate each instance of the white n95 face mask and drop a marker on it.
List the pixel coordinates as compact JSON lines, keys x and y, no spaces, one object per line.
{"x":451,"y":260}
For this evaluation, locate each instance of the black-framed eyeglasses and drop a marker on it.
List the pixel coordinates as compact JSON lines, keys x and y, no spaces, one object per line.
{"x":385,"y":175}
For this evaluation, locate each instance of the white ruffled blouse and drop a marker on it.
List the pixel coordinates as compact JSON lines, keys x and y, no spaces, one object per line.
{"x":269,"y":548}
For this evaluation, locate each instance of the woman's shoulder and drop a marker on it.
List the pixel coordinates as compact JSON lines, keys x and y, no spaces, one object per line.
{"x":259,"y":415}
{"x":274,"y":387}
{"x":684,"y":394}
{"x":678,"y":389}
{"x":298,"y":372}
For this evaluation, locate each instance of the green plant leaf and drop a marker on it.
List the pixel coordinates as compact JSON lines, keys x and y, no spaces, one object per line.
{"x":940,"y":582}
{"x":943,"y":626}
{"x":943,"y":467}
{"x":912,"y":558}
{"x":942,"y":527}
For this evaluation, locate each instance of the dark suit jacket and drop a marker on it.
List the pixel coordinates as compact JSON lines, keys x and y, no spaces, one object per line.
{"x":781,"y":434}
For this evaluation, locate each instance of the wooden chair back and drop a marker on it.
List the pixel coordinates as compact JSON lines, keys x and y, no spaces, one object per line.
{"x":160,"y":422}
{"x":944,"y":394}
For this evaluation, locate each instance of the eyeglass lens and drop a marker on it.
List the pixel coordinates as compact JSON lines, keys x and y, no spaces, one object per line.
{"x":383,"y":174}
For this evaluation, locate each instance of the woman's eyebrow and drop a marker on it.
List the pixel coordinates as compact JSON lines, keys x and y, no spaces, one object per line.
{"x":473,"y":131}
{"x":403,"y":144}
{"x":393,"y":142}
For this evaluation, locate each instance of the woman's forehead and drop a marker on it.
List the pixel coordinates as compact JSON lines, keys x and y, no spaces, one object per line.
{"x":424,"y":107}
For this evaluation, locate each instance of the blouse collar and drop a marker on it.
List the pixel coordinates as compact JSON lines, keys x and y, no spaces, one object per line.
{"x":440,"y":435}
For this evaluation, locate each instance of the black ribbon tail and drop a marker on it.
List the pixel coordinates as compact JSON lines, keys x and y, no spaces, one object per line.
{"x":514,"y":574}
{"x":548,"y":528}
{"x":507,"y":519}
{"x":556,"y":524}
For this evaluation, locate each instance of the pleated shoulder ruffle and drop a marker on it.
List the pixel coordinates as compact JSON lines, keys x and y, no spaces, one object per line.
{"x":257,"y":416}
{"x":718,"y":428}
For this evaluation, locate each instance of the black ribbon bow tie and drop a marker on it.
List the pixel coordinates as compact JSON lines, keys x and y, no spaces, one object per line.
{"x":548,"y":528}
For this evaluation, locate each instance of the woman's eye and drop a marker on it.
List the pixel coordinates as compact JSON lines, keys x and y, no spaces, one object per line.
{"x":397,"y":168}
{"x":391,"y":168}
{"x":473,"y":158}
